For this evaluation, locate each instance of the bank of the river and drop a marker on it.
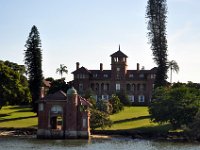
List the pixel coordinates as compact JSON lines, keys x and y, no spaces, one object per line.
{"x":168,"y":136}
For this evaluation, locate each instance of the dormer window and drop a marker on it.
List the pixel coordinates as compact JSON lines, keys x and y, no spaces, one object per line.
{"x":105,"y":75}
{"x":131,"y":75}
{"x":153,"y":76}
{"x":141,"y":75}
{"x":95,"y":75}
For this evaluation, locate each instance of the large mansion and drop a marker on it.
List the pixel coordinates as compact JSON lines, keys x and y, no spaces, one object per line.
{"x":137,"y":84}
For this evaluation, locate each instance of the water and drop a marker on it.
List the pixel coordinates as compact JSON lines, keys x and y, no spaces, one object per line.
{"x":22,"y":143}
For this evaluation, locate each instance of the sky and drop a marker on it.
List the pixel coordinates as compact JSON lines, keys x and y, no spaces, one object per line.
{"x":89,"y":31}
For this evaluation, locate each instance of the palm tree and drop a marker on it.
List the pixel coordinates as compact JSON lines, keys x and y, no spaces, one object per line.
{"x":173,"y":66}
{"x":62,"y":69}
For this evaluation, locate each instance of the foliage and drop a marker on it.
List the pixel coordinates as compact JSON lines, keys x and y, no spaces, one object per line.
{"x":88,"y":93}
{"x":33,"y":62}
{"x":173,"y":66}
{"x":176,"y":105}
{"x":49,"y":79}
{"x":92,"y":101}
{"x":193,"y":85}
{"x":123,"y":98}
{"x":57,"y":85}
{"x":104,"y":106}
{"x":116,"y":104}
{"x":13,"y":86}
{"x":156,"y":13}
{"x":62,"y":69}
{"x":99,"y":119}
{"x":14,"y":66}
{"x":194,"y":129}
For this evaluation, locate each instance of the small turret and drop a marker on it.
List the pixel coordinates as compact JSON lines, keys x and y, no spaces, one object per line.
{"x":71,"y":91}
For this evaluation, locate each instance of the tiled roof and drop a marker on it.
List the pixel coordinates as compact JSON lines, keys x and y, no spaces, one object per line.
{"x":46,"y":83}
{"x":60,"y":95}
{"x":119,"y":53}
{"x":82,"y":70}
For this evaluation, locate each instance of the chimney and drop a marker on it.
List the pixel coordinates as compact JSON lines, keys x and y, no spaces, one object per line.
{"x":77,"y":65}
{"x":138,"y":67}
{"x":101,"y":66}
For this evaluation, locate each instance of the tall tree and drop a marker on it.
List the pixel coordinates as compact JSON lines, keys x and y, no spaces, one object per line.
{"x":33,"y":62}
{"x":156,"y":14}
{"x":62,"y":69}
{"x":173,"y":66}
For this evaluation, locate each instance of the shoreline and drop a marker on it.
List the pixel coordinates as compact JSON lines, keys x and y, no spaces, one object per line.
{"x":106,"y":134}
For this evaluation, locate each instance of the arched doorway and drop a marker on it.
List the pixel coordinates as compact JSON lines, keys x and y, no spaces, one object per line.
{"x":56,"y":117}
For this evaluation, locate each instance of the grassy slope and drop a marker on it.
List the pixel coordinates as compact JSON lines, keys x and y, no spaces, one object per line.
{"x":17,"y":117}
{"x":131,"y":118}
{"x":135,"y":118}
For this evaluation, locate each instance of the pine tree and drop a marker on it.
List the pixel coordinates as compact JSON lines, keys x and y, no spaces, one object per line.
{"x":156,"y":14}
{"x":33,"y":62}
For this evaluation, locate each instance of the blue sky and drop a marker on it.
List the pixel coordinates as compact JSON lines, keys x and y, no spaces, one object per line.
{"x":89,"y":31}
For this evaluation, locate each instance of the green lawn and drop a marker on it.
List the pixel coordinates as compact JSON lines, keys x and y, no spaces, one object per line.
{"x":135,"y":118}
{"x":17,"y":117}
{"x":131,"y":118}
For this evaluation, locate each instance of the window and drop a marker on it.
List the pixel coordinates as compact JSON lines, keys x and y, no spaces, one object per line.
{"x":142,"y":87}
{"x":133,"y":87}
{"x":131,"y":98}
{"x":77,"y":76}
{"x":141,"y":98}
{"x":153,"y":86}
{"x":118,"y":69}
{"x":41,"y":107}
{"x":80,"y":87}
{"x":95,"y":97}
{"x":105,"y":97}
{"x":56,"y":109}
{"x":153,"y":76}
{"x":117,"y":76}
{"x":84,"y":123}
{"x":95,"y":75}
{"x":117,"y":87}
{"x":141,"y":75}
{"x":131,"y":76}
{"x":105,"y":87}
{"x":105,"y":75}
{"x":128,"y":87}
{"x":116,"y":59}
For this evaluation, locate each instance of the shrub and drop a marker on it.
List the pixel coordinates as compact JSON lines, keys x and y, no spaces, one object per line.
{"x":99,"y":119}
{"x":104,"y":106}
{"x":116,"y":104}
{"x":124,"y":98}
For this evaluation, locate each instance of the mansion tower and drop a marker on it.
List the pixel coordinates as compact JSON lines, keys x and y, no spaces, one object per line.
{"x":137,"y":84}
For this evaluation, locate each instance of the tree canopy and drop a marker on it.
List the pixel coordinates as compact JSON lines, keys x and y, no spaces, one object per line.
{"x":13,"y":85}
{"x":177,"y":105}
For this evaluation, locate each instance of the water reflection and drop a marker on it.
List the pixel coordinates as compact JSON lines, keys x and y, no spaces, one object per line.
{"x":21,"y":143}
